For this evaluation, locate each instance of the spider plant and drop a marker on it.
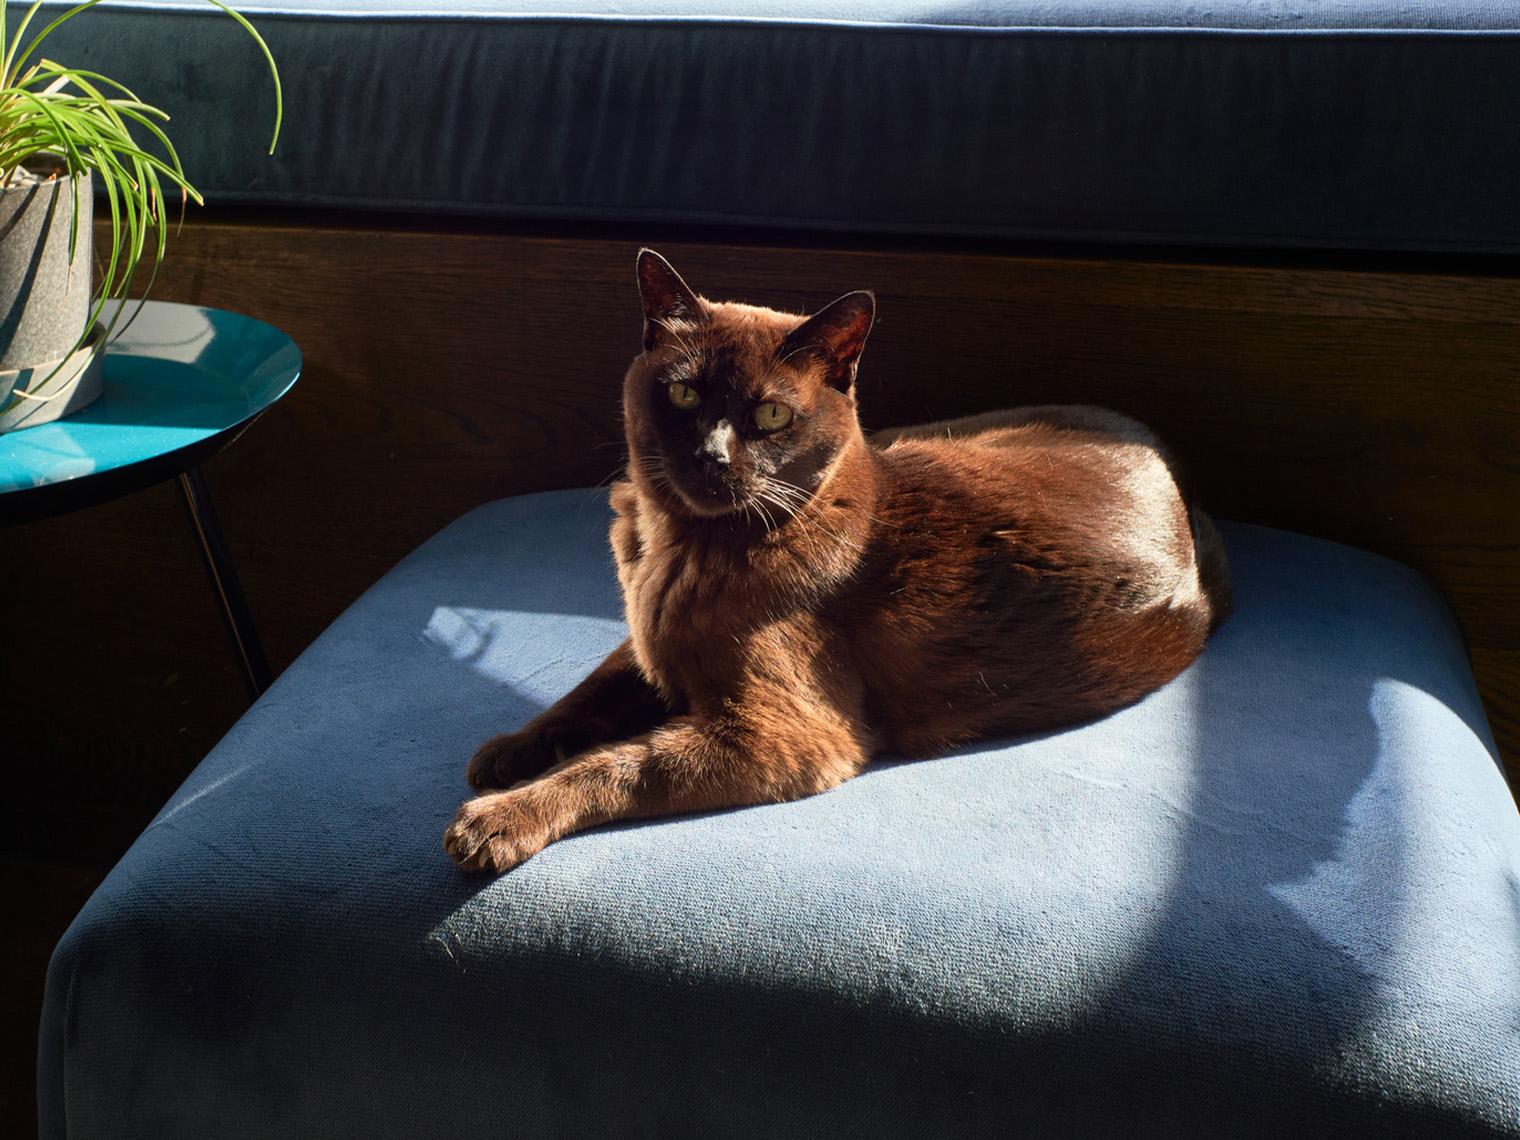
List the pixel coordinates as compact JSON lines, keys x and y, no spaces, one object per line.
{"x":97,"y":126}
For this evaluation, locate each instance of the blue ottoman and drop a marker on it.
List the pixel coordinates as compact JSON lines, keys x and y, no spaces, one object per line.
{"x":1279,"y":897}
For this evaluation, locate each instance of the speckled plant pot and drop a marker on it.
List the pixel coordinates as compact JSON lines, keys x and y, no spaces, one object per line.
{"x":44,"y":300}
{"x":54,"y":388}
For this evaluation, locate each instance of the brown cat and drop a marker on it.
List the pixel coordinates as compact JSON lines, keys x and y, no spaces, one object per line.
{"x":799,"y":599}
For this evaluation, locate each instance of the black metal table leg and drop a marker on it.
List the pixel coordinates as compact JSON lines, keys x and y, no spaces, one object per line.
{"x":224,"y":578}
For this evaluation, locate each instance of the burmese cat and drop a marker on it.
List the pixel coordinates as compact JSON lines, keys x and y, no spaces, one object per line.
{"x":800,"y":599}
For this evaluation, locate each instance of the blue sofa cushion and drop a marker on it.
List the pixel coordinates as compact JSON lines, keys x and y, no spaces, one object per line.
{"x":1247,"y":122}
{"x":1280,"y":896}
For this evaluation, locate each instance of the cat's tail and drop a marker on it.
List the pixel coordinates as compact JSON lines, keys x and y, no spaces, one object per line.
{"x":1213,"y":566}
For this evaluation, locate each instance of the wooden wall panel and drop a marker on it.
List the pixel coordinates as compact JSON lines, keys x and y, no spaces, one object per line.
{"x":448,"y":367}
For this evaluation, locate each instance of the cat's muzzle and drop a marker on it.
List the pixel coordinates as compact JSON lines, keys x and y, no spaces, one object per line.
{"x":712,"y":488}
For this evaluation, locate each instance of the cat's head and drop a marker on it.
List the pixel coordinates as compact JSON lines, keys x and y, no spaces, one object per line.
{"x":733,"y":407}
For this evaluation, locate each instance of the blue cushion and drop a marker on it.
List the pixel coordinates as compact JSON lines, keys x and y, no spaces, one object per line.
{"x":1280,"y":896}
{"x":1387,"y":125}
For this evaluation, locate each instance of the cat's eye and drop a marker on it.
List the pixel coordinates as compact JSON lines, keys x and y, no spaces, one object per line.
{"x":772,"y":416}
{"x":683,"y":395}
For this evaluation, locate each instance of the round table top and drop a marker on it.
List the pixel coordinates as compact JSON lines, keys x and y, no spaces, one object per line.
{"x":178,"y":381}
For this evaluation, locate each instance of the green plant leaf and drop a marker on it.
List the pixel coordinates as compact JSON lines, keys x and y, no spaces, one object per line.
{"x":89,"y":120}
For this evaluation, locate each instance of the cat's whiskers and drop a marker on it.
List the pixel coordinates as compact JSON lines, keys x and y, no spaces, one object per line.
{"x":650,"y":466}
{"x":770,"y":523}
{"x":810,"y":495}
{"x":751,"y":509}
{"x":782,"y":493}
{"x":778,"y":494}
{"x":653,"y":472}
{"x":778,"y":498}
{"x":797,"y":504}
{"x":802,"y":495}
{"x":787,"y":510}
{"x":838,"y":536}
{"x":798,"y":501}
{"x":610,"y":477}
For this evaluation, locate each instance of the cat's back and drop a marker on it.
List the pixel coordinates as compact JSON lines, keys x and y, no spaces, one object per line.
{"x":1032,"y":572}
{"x":1081,"y":483}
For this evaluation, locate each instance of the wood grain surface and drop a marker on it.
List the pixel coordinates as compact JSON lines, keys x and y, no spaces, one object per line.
{"x":450,"y":365}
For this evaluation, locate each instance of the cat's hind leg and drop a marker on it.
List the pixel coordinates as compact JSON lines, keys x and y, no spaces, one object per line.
{"x":614,"y":702}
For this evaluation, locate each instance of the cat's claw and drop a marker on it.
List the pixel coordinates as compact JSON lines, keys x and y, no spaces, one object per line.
{"x":497,"y":832}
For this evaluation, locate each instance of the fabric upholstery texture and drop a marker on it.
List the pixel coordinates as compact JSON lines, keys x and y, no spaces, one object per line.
{"x":1387,"y":125}
{"x":1281,"y":896}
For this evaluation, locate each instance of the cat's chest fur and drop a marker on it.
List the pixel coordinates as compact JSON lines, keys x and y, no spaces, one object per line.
{"x":687,"y":599}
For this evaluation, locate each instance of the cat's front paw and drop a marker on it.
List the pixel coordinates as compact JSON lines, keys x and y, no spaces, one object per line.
{"x":512,"y":757}
{"x":497,"y":832}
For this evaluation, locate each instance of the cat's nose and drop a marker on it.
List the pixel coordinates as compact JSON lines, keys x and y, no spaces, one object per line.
{"x":717,"y":448}
{"x":713,"y":469}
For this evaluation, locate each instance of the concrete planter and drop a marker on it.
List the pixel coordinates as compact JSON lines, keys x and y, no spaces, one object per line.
{"x":45,"y":301}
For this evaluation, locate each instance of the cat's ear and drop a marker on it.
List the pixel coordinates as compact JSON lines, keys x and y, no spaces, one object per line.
{"x":666,"y":297}
{"x":836,"y":335}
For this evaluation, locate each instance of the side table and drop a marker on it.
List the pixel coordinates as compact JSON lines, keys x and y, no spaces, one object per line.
{"x":181,"y":383}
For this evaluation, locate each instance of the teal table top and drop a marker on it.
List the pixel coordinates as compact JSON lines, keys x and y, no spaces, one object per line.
{"x":178,"y":378}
